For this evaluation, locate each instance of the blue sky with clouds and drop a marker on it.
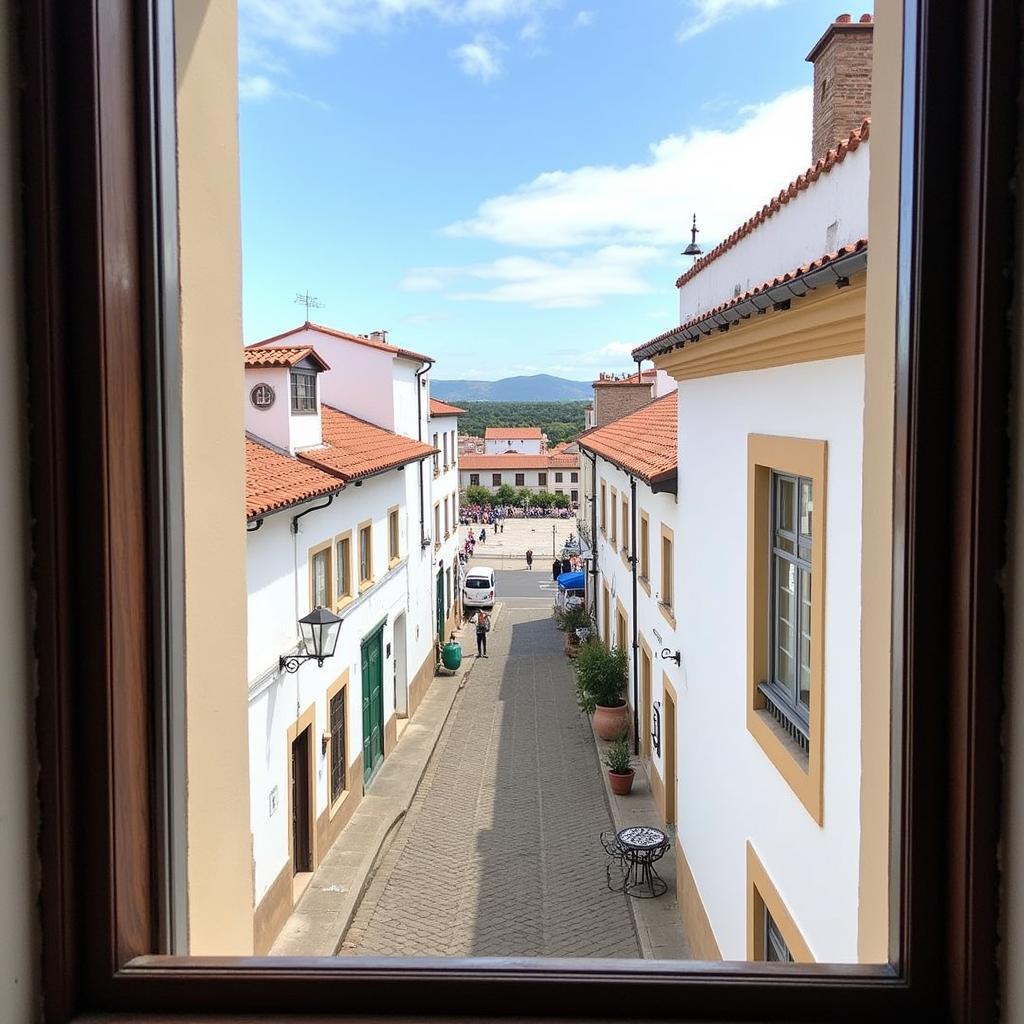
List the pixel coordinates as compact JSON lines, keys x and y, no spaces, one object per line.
{"x":507,"y":184}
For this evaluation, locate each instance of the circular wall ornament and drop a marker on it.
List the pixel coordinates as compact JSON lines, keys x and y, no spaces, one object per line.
{"x":262,"y":396}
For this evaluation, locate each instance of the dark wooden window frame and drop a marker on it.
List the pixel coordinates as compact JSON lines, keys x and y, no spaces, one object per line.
{"x":99,"y":258}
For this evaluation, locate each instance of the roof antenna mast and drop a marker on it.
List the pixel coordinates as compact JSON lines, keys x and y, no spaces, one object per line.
{"x":309,"y":301}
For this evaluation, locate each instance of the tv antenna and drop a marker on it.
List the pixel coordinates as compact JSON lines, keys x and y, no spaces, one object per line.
{"x":309,"y":301}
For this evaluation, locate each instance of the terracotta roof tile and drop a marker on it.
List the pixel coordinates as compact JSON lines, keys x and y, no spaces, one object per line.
{"x":274,"y":480}
{"x":642,"y":443}
{"x":823,"y":165}
{"x":517,"y":461}
{"x":354,"y":448}
{"x":359,"y":339}
{"x":281,"y":355}
{"x":439,"y":408}
{"x":512,"y":433}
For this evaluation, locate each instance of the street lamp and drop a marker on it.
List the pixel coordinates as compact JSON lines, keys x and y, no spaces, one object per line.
{"x":319,"y":631}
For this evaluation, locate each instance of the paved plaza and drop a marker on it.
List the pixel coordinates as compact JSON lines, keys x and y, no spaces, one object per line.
{"x":507,"y":549}
{"x":499,"y":853}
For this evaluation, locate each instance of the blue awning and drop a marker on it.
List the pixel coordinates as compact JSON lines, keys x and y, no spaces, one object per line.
{"x":570,"y":581}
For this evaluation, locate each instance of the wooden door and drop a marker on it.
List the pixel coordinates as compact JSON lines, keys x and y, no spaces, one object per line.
{"x":670,"y":757}
{"x":372,"y":664}
{"x":645,"y":701}
{"x":302,"y":844}
{"x":440,"y":605}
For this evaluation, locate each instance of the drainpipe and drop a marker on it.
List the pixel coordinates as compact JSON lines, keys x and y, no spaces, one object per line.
{"x":419,"y":435}
{"x":593,"y":527}
{"x":636,"y":642}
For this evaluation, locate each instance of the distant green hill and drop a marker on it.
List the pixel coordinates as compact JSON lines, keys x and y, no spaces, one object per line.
{"x":541,"y":387}
{"x":561,"y":421}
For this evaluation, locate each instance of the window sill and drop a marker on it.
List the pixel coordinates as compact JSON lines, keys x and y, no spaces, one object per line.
{"x":365,"y":585}
{"x":336,"y":806}
{"x":645,"y":583}
{"x":394,"y":561}
{"x":624,"y":552}
{"x":342,"y":602}
{"x":666,"y":611}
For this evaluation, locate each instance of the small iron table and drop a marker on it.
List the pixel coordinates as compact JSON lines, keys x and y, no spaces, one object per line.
{"x":638,"y":848}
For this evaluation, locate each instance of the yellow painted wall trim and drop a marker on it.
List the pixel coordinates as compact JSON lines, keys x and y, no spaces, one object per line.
{"x":802,"y":457}
{"x":761,"y":894}
{"x":696,"y":922}
{"x":823,"y":325}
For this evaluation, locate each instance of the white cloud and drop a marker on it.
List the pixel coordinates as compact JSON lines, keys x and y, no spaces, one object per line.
{"x":708,"y":13}
{"x":557,"y":281}
{"x":722,"y":175}
{"x":260,"y":88}
{"x":478,"y":59}
{"x":583,"y":19}
{"x":315,"y":25}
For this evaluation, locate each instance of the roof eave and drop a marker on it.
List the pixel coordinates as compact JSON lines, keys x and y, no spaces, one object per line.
{"x":833,"y":272}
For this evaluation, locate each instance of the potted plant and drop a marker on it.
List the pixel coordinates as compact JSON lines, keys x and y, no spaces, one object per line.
{"x":572,"y":621}
{"x":600,"y":682}
{"x":620,"y":766}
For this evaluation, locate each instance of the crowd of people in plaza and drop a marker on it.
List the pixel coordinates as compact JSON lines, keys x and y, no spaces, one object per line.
{"x":487,"y":515}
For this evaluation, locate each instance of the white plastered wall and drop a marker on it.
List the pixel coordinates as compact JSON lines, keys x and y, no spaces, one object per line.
{"x":729,"y":792}
{"x":797,"y":233}
{"x":278,"y":583}
{"x":652,"y":626}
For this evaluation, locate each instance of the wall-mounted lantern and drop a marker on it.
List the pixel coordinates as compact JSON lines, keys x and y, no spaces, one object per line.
{"x":319,"y":631}
{"x":656,"y":727}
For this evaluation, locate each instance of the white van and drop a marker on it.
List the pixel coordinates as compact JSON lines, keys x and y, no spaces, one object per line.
{"x":478,"y":588}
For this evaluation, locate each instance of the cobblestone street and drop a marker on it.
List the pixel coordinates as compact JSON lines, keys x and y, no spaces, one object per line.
{"x":499,"y":853}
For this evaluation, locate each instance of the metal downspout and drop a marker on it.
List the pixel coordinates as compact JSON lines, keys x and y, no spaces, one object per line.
{"x":593,"y":527}
{"x":636,"y":642}
{"x":419,"y":435}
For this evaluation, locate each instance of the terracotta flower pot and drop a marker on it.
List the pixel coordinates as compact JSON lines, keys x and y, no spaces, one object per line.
{"x":621,"y":784}
{"x":610,"y":723}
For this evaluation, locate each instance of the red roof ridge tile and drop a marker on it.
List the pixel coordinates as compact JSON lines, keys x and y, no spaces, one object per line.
{"x":440,"y":408}
{"x":823,"y":165}
{"x":643,"y":443}
{"x":359,"y":339}
{"x":287,"y":355}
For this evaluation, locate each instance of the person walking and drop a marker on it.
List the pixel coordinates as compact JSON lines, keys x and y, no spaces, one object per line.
{"x":556,"y":570}
{"x":483,"y":627}
{"x":483,"y":536}
{"x":529,"y":558}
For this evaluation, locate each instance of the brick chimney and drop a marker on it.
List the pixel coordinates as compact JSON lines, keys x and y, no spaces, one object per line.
{"x":842,"y":81}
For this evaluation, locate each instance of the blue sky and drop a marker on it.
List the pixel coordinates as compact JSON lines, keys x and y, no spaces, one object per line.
{"x":507,"y":184}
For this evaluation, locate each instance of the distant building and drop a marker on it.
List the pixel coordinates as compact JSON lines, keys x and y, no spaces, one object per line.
{"x":557,"y":474}
{"x":519,"y":440}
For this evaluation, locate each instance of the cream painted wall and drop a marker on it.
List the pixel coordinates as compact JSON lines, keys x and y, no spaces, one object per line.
{"x":19,"y":883}
{"x":879,"y":398}
{"x":219,"y":844}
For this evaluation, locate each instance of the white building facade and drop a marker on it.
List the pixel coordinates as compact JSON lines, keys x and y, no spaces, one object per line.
{"x":341,"y":523}
{"x":520,"y":440}
{"x":444,"y":436}
{"x":761,"y":774}
{"x":632,"y":583}
{"x":556,"y":474}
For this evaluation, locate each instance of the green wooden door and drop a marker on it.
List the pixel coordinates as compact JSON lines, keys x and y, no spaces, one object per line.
{"x":373,"y":702}
{"x":440,"y":605}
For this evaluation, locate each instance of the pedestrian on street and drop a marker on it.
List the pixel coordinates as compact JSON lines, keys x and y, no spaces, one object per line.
{"x":556,"y":569}
{"x":483,"y":536}
{"x":483,"y":626}
{"x":566,"y":565}
{"x":529,"y":558}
